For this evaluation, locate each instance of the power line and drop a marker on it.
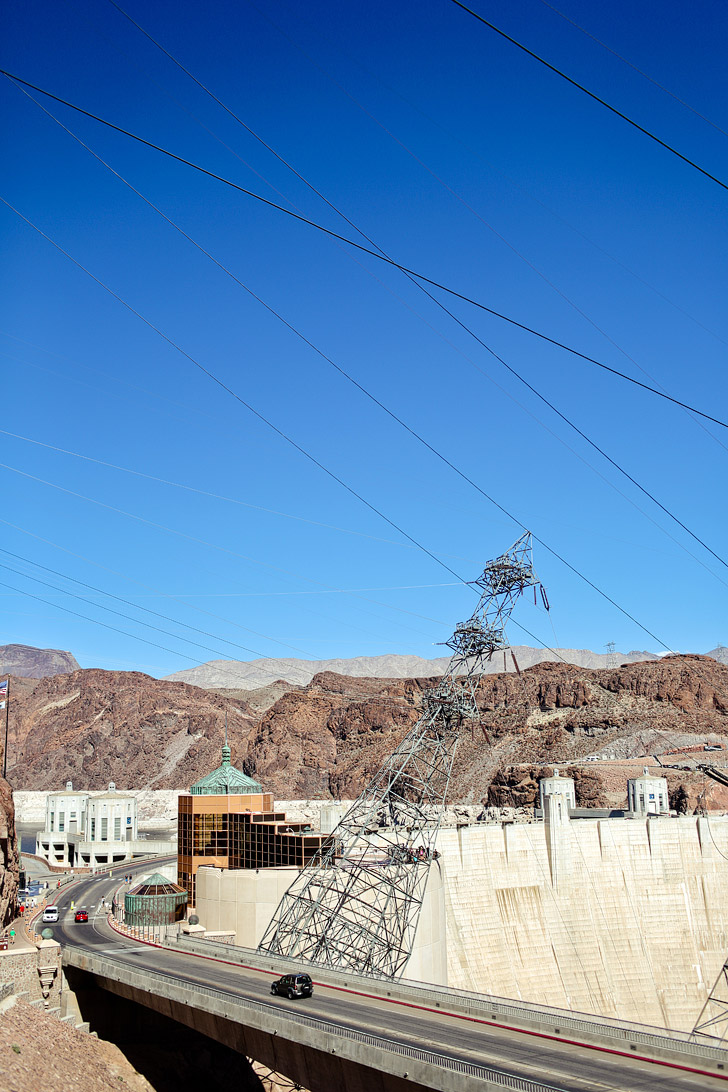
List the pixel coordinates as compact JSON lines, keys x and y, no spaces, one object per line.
{"x":634,"y":67}
{"x":586,"y":91}
{"x":458,"y":197}
{"x":513,"y":371}
{"x":378,"y":254}
{"x":96,"y":621}
{"x":200,"y":542}
{"x":127,"y":602}
{"x":376,"y":76}
{"x":204,"y":492}
{"x":347,"y":220}
{"x":238,"y":398}
{"x":315,"y":461}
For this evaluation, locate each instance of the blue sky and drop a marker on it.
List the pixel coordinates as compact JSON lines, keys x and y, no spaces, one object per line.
{"x":462,"y":158}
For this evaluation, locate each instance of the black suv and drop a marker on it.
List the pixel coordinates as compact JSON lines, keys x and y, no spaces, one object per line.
{"x":293,"y":985}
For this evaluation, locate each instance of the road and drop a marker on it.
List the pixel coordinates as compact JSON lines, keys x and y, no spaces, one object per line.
{"x":569,"y":1068}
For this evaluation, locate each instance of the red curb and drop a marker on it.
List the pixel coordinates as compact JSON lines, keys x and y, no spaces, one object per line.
{"x":454,"y":1015}
{"x":474,"y":1019}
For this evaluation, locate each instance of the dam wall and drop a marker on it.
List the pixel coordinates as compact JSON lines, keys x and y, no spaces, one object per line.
{"x":626,"y":918}
{"x":623,"y":917}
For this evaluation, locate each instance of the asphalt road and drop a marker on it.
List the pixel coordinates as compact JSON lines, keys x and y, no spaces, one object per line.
{"x":571,"y":1068}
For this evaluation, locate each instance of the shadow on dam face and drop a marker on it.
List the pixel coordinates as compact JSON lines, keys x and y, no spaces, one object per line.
{"x":172,"y":1057}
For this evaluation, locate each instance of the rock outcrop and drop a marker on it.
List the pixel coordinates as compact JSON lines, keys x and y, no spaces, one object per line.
{"x":35,"y":663}
{"x":95,"y":726}
{"x":9,"y":856}
{"x":326,"y":740}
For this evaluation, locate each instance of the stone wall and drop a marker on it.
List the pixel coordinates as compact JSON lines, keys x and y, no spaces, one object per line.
{"x":35,"y":970}
{"x":626,"y":918}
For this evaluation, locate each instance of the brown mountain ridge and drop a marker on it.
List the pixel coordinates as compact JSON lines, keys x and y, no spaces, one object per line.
{"x":325,"y":740}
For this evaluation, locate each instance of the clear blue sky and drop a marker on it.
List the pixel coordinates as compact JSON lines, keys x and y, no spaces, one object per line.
{"x":462,"y":158}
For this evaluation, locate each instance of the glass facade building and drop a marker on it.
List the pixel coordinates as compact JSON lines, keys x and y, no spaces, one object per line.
{"x":227,"y":821}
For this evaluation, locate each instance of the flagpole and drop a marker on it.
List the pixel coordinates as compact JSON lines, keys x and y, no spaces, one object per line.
{"x":7,"y":714}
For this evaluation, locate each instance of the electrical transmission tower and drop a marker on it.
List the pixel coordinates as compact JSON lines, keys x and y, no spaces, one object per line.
{"x":611,"y":655}
{"x":713,"y":1018}
{"x":356,"y":905}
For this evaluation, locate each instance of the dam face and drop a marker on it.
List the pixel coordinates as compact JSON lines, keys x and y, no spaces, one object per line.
{"x":626,"y":918}
{"x":622,"y":917}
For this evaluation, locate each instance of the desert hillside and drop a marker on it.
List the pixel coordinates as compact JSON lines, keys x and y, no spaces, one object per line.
{"x":27,"y":662}
{"x":245,"y":675}
{"x":325,"y":740}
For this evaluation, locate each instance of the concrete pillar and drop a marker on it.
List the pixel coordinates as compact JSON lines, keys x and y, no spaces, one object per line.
{"x":558,"y":834}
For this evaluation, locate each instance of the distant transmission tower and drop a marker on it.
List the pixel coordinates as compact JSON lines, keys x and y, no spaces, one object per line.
{"x":611,"y":656}
{"x":356,"y":905}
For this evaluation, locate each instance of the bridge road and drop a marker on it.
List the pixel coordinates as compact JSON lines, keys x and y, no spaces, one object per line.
{"x":567,"y":1067}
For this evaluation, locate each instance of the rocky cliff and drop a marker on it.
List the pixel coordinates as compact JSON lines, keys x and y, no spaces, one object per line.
{"x":9,"y":857}
{"x":94,"y":726}
{"x":34,"y":663}
{"x":327,"y":739}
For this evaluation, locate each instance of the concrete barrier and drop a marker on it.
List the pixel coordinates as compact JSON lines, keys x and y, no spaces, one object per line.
{"x":316,"y":1053}
{"x":675,"y":1047}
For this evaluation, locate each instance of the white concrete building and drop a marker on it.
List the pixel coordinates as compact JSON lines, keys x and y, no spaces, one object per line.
{"x":112,"y":817}
{"x":647,"y":795}
{"x":87,"y":830}
{"x":557,"y":786}
{"x":66,"y":811}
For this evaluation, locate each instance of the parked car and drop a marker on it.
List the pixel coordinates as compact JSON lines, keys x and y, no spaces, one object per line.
{"x":293,"y":985}
{"x":81,"y":915}
{"x":50,"y":914}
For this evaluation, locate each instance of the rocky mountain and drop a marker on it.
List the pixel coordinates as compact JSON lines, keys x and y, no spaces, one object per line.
{"x":34,"y":663}
{"x":95,"y":726}
{"x":330,"y":738}
{"x":325,"y":740}
{"x":248,"y":675}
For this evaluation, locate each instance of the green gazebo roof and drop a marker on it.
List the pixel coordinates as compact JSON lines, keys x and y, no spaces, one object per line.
{"x":226,"y":780}
{"x":157,"y":885}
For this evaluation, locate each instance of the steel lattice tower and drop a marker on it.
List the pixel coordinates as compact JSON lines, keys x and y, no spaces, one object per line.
{"x":713,"y":1018}
{"x":356,"y":904}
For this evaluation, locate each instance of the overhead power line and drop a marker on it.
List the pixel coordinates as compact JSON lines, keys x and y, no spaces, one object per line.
{"x":205,"y":492}
{"x":363,"y":390}
{"x":591,"y":94}
{"x":127,"y":602}
{"x":233,"y":394}
{"x":634,"y":67}
{"x":378,"y":254}
{"x":297,"y":447}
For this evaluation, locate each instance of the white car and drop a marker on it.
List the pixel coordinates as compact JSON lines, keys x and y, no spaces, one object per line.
{"x":50,"y":914}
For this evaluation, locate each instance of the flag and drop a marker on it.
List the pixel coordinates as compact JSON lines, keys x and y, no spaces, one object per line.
{"x":2,"y":704}
{"x":4,"y":689}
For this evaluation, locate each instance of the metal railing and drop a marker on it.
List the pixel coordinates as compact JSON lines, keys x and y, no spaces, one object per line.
{"x":548,"y":1020}
{"x":132,"y":976}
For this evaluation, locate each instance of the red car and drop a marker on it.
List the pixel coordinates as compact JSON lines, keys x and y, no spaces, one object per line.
{"x":81,"y":915}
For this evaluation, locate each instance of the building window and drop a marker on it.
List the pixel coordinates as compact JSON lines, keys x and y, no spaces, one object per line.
{"x":61,"y":821}
{"x":117,"y":829}
{"x":93,"y":829}
{"x":52,"y":821}
{"x":104,"y":829}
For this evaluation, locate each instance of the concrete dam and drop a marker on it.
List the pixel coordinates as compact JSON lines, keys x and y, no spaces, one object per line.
{"x":624,"y":917}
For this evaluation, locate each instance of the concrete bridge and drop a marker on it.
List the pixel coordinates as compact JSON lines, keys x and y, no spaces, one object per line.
{"x":367,"y":1035}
